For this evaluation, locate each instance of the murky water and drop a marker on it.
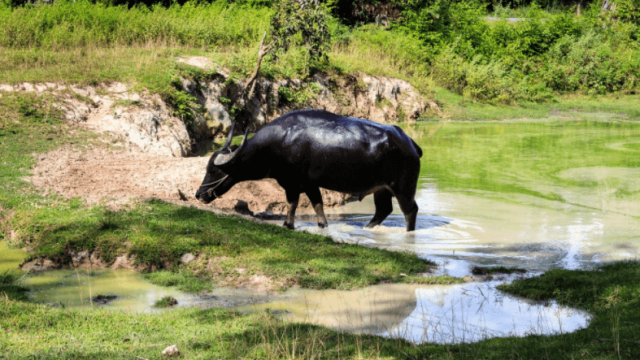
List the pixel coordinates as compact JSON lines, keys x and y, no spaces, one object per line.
{"x":536,"y":195}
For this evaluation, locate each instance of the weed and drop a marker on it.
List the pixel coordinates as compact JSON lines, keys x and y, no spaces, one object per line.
{"x":166,"y":302}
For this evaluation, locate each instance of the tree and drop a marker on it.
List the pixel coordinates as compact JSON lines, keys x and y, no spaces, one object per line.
{"x":294,"y":23}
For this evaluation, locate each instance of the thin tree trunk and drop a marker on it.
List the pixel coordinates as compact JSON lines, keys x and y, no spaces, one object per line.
{"x":261,"y":53}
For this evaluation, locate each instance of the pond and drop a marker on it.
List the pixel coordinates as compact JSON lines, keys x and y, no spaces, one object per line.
{"x":537,"y":195}
{"x":532,"y":194}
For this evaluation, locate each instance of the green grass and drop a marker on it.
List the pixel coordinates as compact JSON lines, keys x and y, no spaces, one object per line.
{"x":157,"y":234}
{"x":182,"y":280}
{"x":166,"y":302}
{"x":69,"y":24}
{"x":11,"y":285}
{"x":611,"y":294}
{"x":427,"y":280}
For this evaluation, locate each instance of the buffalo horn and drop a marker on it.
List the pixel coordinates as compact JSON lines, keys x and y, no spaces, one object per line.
{"x":226,"y":159}
{"x":229,"y":138}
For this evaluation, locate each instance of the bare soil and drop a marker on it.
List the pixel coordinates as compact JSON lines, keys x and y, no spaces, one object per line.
{"x":115,"y":177}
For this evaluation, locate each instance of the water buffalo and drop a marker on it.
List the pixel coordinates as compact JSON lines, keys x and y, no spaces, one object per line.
{"x":309,"y":149}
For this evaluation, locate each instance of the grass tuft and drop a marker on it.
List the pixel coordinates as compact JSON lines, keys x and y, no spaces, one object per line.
{"x":182,"y":280}
{"x":166,"y":302}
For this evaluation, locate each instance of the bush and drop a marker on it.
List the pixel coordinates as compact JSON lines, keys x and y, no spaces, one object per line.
{"x":590,"y":63}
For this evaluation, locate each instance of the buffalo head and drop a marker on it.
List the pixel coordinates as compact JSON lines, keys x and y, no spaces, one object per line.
{"x":216,"y":182}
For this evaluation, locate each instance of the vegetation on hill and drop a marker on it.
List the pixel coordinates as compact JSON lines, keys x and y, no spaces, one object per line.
{"x":550,"y":51}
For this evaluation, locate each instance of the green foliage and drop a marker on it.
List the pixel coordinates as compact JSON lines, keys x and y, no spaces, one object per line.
{"x":525,"y":60}
{"x":592,"y":64}
{"x":300,"y":23}
{"x":299,"y":96}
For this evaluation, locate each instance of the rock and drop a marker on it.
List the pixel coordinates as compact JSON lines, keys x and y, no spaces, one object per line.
{"x":188,"y":86}
{"x":242,"y":207}
{"x":219,"y":117}
{"x":197,"y":61}
{"x":79,"y":256}
{"x":103,"y":299}
{"x":39,"y":265}
{"x":171,"y":351}
{"x":124,"y":262}
{"x":146,"y":125}
{"x":187,"y":258}
{"x":28,"y":87}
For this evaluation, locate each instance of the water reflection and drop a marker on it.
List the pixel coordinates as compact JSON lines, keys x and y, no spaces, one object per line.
{"x":437,"y":313}
{"x":475,"y":312}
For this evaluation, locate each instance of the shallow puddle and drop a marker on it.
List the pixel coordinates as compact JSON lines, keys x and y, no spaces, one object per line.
{"x":72,"y":289}
{"x":475,"y":312}
{"x":127,"y":291}
{"x":435,"y":313}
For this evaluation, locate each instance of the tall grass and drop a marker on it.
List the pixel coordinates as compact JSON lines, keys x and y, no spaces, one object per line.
{"x":72,"y":24}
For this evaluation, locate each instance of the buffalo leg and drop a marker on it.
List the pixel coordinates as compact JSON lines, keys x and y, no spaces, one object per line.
{"x":292,"y":199}
{"x":409,"y":209}
{"x":316,"y":200}
{"x":384,"y":207}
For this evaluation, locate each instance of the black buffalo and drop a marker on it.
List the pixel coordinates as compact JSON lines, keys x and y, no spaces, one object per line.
{"x":310,"y":149}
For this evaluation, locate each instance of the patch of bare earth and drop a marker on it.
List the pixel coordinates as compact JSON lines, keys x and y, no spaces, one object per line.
{"x":114,"y":177}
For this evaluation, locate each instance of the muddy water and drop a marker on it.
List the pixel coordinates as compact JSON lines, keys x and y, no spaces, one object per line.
{"x":536,"y":195}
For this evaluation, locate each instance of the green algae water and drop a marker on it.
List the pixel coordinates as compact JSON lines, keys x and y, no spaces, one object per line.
{"x":545,"y":159}
{"x":10,"y":258}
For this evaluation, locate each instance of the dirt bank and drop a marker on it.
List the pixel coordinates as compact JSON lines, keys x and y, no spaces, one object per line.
{"x":117,"y":176}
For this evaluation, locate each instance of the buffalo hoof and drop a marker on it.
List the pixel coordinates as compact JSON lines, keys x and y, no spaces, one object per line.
{"x":288,"y":226}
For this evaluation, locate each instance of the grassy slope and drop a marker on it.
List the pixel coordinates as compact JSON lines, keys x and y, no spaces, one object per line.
{"x":610,"y":294}
{"x":157,"y":233}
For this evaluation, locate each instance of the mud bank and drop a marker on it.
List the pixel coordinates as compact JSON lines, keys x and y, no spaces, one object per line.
{"x":115,"y":177}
